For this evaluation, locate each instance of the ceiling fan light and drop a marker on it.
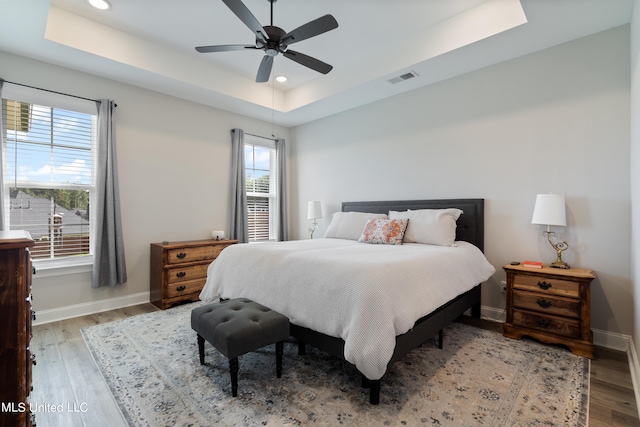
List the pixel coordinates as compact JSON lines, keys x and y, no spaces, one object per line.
{"x":100,"y":4}
{"x":281,"y":79}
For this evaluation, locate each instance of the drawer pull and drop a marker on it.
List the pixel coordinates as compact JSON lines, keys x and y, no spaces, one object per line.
{"x":544,"y":303}
{"x":544,"y":285}
{"x":181,"y":255}
{"x":181,"y":288}
{"x":543,"y":323}
{"x":180,"y":274}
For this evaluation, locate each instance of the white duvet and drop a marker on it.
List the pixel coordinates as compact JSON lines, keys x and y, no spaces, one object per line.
{"x":365,"y":294}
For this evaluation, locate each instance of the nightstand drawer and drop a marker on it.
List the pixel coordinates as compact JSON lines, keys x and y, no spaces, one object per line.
{"x":181,"y":274}
{"x":547,"y":285}
{"x":184,"y":288}
{"x":547,"y":304}
{"x":197,"y":253}
{"x":557,"y":325}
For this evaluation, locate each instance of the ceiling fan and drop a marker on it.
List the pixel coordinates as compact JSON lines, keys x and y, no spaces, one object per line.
{"x":274,"y":40}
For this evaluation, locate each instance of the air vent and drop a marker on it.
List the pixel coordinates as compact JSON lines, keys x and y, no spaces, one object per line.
{"x":403,"y":77}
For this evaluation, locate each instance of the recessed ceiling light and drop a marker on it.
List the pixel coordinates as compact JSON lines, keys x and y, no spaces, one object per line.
{"x":100,"y":4}
{"x":281,"y":79}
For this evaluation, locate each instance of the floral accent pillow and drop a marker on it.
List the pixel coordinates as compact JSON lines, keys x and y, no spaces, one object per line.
{"x":384,"y":231}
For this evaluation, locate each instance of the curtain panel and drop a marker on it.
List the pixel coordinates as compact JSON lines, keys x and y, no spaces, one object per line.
{"x":239,"y":226}
{"x":283,"y":222}
{"x":109,"y":267}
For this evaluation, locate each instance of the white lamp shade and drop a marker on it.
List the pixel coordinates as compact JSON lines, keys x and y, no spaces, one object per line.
{"x":314,"y":210}
{"x":549,"y":210}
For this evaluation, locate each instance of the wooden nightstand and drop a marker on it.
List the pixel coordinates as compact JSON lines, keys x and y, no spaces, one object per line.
{"x":179,"y":269}
{"x":551,"y":305}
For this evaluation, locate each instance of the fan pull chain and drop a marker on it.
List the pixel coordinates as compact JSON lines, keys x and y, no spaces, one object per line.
{"x":273,"y":104}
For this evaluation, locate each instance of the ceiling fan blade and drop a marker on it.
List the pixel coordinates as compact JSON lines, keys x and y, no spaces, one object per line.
{"x":265,"y":69}
{"x":224,"y":48}
{"x":308,"y":61}
{"x":311,"y":29}
{"x":245,"y":15}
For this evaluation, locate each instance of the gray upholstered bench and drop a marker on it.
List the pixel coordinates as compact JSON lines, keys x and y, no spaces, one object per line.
{"x":237,"y":326}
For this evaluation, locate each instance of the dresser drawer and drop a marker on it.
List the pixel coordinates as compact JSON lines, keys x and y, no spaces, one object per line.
{"x":184,"y":288}
{"x":547,"y":285}
{"x":547,"y":304}
{"x":183,"y":273}
{"x":548,"y":323}
{"x":191,"y":254}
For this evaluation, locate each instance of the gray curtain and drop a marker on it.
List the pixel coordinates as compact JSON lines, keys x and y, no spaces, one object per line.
{"x":239,"y":226}
{"x":109,"y":267}
{"x":1,"y":163}
{"x":283,"y":227}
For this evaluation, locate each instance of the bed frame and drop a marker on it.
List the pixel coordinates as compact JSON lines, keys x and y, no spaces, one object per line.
{"x":470,"y":228}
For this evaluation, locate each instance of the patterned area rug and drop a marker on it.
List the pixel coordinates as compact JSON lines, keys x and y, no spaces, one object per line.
{"x":480,"y":378}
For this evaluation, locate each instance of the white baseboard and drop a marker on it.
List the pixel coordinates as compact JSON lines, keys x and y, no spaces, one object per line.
{"x":68,"y":312}
{"x":634,"y":367}
{"x":611,"y":340}
{"x":493,"y":314}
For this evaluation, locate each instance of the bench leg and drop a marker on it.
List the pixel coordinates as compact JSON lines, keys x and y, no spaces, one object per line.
{"x":440,"y":336}
{"x":374,"y":392}
{"x":279,"y":352}
{"x":233,"y":369}
{"x":201,"y":349}
{"x":374,"y":389}
{"x":302,"y":350}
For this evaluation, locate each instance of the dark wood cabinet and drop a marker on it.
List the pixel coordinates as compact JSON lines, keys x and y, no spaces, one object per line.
{"x":16,"y":313}
{"x":179,"y":269}
{"x":551,"y":305}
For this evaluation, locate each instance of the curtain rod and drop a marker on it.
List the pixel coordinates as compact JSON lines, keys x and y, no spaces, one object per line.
{"x":53,"y":91}
{"x":259,"y":136}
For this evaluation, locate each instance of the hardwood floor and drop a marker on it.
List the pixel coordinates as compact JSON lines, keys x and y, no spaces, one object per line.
{"x":69,"y":390}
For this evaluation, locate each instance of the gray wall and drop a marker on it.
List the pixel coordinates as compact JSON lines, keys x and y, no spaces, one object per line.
{"x":553,"y":121}
{"x":635,"y":183}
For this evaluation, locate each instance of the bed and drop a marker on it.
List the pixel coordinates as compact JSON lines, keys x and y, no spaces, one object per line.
{"x":358,"y":301}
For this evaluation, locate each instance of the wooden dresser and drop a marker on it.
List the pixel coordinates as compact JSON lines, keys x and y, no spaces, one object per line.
{"x":16,"y":358}
{"x":179,"y":269}
{"x":551,"y":305}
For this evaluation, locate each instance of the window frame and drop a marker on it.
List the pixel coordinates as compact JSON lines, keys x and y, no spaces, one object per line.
{"x":273,"y":196}
{"x":69,"y":264}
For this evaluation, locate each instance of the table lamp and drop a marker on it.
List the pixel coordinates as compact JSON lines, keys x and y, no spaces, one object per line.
{"x":550,"y":210}
{"x":314,"y":212}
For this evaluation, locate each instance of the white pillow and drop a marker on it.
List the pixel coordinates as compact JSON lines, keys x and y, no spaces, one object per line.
{"x":349,"y":225}
{"x":429,"y":226}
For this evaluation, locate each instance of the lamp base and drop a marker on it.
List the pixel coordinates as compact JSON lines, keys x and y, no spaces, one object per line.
{"x":559,"y":247}
{"x":560,"y":264}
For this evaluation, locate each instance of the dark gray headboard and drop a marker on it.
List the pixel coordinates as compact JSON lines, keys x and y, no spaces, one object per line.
{"x":470,"y":225}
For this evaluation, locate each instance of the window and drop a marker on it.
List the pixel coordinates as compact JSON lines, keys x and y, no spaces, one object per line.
{"x":48,"y":164}
{"x":260,"y":175}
